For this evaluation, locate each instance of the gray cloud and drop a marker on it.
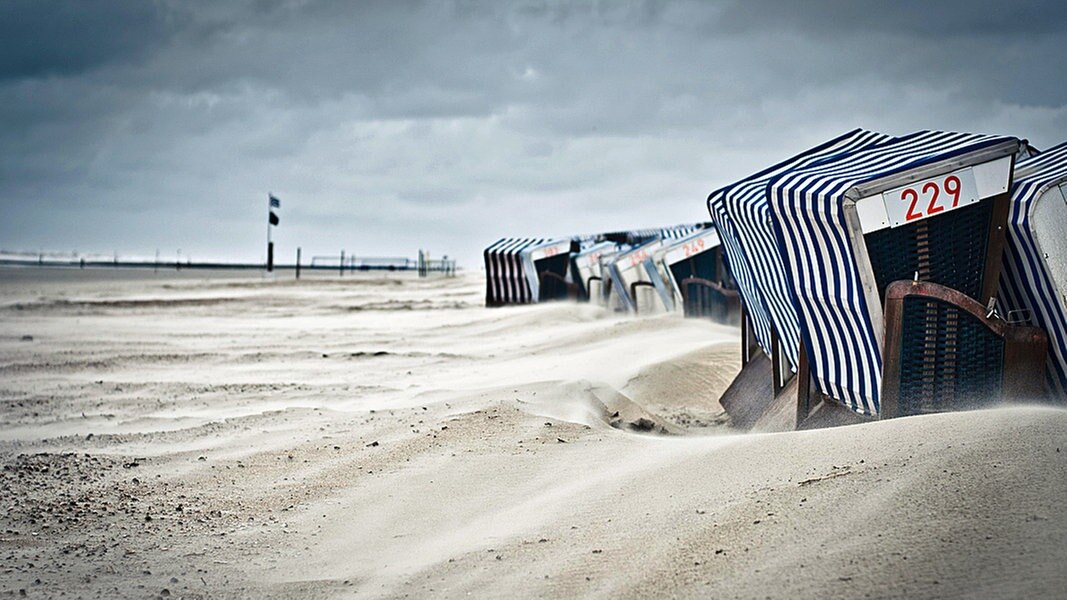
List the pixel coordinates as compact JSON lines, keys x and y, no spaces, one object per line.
{"x":389,"y":125}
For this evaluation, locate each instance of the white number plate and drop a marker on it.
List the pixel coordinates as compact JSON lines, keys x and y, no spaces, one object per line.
{"x":931,"y":197}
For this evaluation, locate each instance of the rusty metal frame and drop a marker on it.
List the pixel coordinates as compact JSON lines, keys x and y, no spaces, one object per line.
{"x":733,"y":300}
{"x":633,"y":292}
{"x":1025,"y":348}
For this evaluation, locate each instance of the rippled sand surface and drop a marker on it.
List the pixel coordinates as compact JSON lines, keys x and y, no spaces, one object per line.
{"x":219,"y":434}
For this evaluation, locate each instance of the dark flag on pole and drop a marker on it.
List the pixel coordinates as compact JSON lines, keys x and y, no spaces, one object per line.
{"x":272,"y":220}
{"x":274,"y":203}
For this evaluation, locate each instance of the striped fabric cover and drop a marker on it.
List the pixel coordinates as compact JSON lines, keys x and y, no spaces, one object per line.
{"x":1026,"y":282}
{"x":807,"y":207}
{"x":739,"y":268}
{"x":752,"y":249}
{"x":641,"y":236}
{"x":505,"y":282}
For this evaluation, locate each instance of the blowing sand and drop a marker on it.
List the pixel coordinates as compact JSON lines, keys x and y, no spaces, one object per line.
{"x":215,"y":435}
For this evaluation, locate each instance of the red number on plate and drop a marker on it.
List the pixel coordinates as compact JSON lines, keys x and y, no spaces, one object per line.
{"x":552,"y":251}
{"x":912,"y":215}
{"x":933,"y":208}
{"x":694,"y":248}
{"x":638,"y":257}
{"x":952,"y":186}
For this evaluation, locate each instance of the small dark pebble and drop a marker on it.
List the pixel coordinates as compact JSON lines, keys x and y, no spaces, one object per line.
{"x":372,"y":444}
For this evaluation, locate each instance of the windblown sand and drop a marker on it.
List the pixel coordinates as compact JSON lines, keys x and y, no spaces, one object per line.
{"x":220,"y":435}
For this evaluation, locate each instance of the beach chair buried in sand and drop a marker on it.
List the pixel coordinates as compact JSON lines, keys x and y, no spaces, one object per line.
{"x":1034,"y":280}
{"x":585,"y":265}
{"x":527,"y":270}
{"x":770,"y":333}
{"x":636,"y":280}
{"x":845,"y":238}
{"x":699,"y":278}
{"x":894,"y":256}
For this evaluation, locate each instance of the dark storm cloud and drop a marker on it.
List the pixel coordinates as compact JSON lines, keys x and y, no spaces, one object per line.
{"x":69,"y":37}
{"x":991,"y":19}
{"x":388,"y":125}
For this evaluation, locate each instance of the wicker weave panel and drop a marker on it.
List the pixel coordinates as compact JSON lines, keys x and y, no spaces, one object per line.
{"x":552,"y":288}
{"x":704,"y":301}
{"x":949,"y":249}
{"x":949,"y":360}
{"x":702,"y":265}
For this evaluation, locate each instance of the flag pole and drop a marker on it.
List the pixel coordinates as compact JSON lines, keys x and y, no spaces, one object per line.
{"x":270,"y":244}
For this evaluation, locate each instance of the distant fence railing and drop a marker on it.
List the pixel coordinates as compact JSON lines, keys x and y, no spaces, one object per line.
{"x":341,"y":263}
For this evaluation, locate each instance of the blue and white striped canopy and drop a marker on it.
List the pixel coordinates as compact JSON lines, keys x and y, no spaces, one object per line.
{"x":1027,"y":282}
{"x":741,"y":213}
{"x":807,"y":206}
{"x":641,"y":236}
{"x":506,"y":282}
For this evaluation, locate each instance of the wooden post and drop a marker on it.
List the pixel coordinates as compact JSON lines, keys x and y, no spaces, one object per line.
{"x":298,"y":262}
{"x":803,"y":386}
{"x":270,"y":256}
{"x":342,"y":262}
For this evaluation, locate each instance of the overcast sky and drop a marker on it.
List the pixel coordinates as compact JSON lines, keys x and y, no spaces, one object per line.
{"x":389,"y":126}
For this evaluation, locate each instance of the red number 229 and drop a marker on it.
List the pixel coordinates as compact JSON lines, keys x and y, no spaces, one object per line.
{"x":911,"y":196}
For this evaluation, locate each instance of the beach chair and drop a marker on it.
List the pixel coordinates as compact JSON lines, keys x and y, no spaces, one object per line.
{"x":635,"y":277}
{"x":585,"y":264}
{"x":622,"y":284}
{"x":888,"y":251}
{"x":1033,"y":285}
{"x":770,"y":333}
{"x":527,"y":270}
{"x":701,"y":283}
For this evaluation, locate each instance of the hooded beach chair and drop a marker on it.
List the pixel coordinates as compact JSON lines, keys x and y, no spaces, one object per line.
{"x":701,"y":283}
{"x":635,"y":271}
{"x":770,"y":332}
{"x":1034,"y":281}
{"x":526,"y":270}
{"x":893,"y":256}
{"x":585,"y":264}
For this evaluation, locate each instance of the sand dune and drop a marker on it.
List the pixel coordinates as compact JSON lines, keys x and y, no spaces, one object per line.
{"x":388,"y":437}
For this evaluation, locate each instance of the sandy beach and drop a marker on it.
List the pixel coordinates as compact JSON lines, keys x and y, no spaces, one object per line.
{"x":195,"y":434}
